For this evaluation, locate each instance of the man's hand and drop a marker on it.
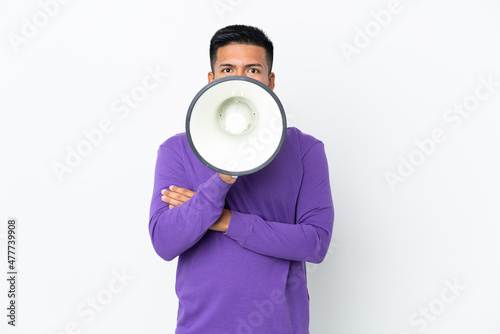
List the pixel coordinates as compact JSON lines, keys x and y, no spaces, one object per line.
{"x":176,"y":196}
{"x":228,"y":179}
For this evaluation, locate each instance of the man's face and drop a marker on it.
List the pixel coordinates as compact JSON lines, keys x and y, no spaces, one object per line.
{"x":242,"y":59}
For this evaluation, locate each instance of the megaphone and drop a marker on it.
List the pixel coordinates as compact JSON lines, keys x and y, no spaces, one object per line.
{"x":236,"y":125}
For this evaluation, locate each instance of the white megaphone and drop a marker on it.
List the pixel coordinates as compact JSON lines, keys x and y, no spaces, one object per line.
{"x":236,"y":125}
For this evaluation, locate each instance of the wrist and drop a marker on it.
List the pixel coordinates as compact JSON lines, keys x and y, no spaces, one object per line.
{"x":222,"y":224}
{"x":226,"y":218}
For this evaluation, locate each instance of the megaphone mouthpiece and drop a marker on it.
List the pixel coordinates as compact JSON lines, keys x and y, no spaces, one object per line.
{"x":236,"y":116}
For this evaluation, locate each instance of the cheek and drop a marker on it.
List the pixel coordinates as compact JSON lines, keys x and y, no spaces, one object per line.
{"x":262,"y":78}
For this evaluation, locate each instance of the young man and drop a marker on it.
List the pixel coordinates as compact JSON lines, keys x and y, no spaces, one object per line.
{"x":242,"y":243}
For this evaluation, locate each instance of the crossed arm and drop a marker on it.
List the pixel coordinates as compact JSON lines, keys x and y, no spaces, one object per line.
{"x":179,"y":217}
{"x":176,"y":196}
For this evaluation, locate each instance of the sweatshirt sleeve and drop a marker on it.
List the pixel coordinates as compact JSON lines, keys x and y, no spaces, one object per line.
{"x":173,"y":231}
{"x":309,"y":238}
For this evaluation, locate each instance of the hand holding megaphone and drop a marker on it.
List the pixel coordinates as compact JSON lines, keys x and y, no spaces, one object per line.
{"x":228,"y":178}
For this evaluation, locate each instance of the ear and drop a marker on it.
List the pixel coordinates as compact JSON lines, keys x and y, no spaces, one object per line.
{"x":210,"y":77}
{"x":271,"y":80}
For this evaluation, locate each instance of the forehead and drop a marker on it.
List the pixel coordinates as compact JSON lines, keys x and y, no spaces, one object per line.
{"x":240,"y":53}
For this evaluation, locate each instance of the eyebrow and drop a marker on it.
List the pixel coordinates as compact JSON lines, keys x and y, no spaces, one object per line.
{"x":248,"y":65}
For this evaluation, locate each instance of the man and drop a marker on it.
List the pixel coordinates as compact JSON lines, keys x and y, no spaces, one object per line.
{"x":242,"y":243}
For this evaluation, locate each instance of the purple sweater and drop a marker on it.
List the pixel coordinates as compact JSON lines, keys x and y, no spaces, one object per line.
{"x":252,"y":278}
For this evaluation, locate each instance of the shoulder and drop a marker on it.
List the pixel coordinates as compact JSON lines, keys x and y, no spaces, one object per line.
{"x":177,"y":141}
{"x":175,"y":147}
{"x":302,"y":140}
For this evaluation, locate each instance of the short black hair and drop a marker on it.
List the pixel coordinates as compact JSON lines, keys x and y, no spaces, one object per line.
{"x":241,"y":34}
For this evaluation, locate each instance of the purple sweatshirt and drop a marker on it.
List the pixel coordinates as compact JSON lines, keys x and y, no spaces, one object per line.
{"x":252,"y":278}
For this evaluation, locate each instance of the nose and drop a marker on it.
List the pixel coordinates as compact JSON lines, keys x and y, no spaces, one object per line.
{"x":240,"y":72}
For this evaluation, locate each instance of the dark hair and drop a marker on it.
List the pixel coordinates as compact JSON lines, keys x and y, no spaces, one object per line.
{"x":241,"y":34}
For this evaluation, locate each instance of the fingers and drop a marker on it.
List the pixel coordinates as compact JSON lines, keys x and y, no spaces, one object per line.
{"x":182,"y":191}
{"x":173,"y":198}
{"x":167,"y":198}
{"x":176,"y":196}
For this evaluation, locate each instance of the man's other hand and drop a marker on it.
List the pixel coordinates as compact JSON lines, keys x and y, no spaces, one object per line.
{"x":175,"y":196}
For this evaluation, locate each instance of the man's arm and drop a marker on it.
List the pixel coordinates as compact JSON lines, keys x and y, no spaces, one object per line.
{"x":309,"y":238}
{"x":174,"y":230}
{"x":175,"y":196}
{"x":306,"y":240}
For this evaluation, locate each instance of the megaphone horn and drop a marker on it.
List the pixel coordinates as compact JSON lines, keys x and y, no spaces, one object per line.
{"x":236,"y":125}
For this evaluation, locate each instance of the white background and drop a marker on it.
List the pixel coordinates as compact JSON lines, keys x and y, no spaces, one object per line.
{"x":393,"y":250}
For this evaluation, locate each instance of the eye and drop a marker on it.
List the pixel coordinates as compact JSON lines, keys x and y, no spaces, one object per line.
{"x":226,"y":70}
{"x":253,"y":70}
